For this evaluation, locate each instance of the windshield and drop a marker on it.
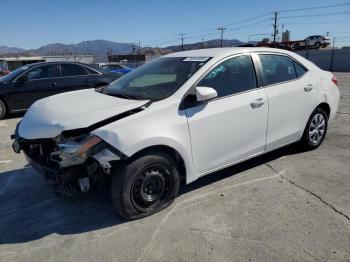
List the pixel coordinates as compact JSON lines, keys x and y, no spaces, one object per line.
{"x":13,"y":74}
{"x":158,"y":79}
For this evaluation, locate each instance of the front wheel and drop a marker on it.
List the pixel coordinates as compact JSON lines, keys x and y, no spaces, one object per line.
{"x":315,"y":130}
{"x":2,"y":109}
{"x":145,"y":185}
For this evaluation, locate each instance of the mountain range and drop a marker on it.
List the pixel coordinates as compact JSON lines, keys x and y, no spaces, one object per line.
{"x":10,"y":50}
{"x":103,"y":47}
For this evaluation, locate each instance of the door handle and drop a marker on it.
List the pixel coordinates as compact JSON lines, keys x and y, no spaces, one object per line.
{"x":88,"y":81}
{"x":54,"y":84}
{"x":308,"y":88}
{"x":257,"y":103}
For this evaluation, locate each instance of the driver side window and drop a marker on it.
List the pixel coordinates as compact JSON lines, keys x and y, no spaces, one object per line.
{"x":232,"y":76}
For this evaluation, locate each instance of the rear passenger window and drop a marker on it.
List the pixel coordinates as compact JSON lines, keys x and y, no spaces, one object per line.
{"x":300,"y":71}
{"x":277,"y":69}
{"x":232,"y":76}
{"x":73,"y":70}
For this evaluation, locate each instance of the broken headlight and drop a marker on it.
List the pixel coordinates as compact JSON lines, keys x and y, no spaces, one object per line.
{"x":74,"y":151}
{"x":79,"y":148}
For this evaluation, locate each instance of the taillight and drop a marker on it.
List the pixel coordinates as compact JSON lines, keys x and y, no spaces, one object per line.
{"x":335,"y":80}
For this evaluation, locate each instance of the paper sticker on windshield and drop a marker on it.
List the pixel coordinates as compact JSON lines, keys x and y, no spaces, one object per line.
{"x":196,"y":59}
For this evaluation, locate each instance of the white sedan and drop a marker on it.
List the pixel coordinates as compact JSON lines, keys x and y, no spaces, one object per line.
{"x":175,"y":119}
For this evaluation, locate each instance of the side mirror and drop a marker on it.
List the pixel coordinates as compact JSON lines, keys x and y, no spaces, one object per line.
{"x":204,"y":93}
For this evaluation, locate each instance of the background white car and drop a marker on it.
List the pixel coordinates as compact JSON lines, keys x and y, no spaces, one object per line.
{"x":314,"y":41}
{"x":177,"y":118}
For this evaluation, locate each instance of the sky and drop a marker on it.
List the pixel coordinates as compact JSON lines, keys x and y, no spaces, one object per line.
{"x":33,"y":23}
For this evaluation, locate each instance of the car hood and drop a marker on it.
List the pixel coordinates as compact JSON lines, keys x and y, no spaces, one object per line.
{"x":48,"y":117}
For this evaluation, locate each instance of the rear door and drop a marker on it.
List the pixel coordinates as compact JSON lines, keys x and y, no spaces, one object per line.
{"x":290,"y":90}
{"x":73,"y":77}
{"x":232,"y":126}
{"x":34,"y":84}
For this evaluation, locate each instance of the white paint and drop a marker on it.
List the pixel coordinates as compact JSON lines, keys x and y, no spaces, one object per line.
{"x":209,"y":136}
{"x":48,"y":117}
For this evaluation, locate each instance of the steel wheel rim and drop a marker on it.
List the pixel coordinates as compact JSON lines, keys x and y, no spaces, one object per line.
{"x":317,"y":128}
{"x":1,"y":109}
{"x":150,"y":188}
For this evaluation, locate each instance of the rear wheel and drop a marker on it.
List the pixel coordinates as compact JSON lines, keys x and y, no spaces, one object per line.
{"x":317,"y":45}
{"x":145,"y":185}
{"x":2,"y":109}
{"x":296,"y":46}
{"x":315,"y":130}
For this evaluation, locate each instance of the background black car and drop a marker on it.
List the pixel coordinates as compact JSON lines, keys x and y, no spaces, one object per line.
{"x":22,"y":87}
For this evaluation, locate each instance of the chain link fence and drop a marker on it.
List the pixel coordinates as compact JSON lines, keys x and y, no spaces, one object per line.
{"x":334,"y":60}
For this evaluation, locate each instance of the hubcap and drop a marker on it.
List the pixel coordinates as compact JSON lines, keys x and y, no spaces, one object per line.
{"x":317,"y":128}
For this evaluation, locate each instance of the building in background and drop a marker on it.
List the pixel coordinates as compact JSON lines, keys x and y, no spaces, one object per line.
{"x":286,"y":36}
{"x":12,"y":63}
{"x":131,"y":60}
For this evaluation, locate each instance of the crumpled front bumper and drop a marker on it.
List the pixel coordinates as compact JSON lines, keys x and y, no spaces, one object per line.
{"x":20,"y":144}
{"x":40,"y":153}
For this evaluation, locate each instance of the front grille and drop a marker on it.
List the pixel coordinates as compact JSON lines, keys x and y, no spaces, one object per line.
{"x":39,"y":151}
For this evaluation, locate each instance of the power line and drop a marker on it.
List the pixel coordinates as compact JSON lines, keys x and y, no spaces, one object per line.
{"x":249,"y":25}
{"x":312,"y":8}
{"x":231,"y":29}
{"x":308,"y":22}
{"x":321,"y":14}
{"x":205,"y":30}
{"x":248,"y":19}
{"x":275,"y":31}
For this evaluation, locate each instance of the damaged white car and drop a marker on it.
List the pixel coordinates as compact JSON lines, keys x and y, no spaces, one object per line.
{"x":176,"y":119}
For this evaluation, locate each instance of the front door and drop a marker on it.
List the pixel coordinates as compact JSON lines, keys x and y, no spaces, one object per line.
{"x":37,"y":83}
{"x":233,"y":126}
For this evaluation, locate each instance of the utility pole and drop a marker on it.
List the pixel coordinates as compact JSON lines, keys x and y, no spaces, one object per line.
{"x":275,"y":27}
{"x":221,"y":29}
{"x":182,"y":41}
{"x":202,"y":43}
{"x":139,"y":47}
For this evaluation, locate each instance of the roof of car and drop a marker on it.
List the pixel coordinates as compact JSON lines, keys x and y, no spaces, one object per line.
{"x":214,"y":52}
{"x":53,"y":62}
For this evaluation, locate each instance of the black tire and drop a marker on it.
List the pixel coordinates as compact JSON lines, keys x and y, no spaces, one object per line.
{"x":308,"y":141}
{"x":317,"y":45}
{"x":3,"y":109}
{"x":296,"y":46}
{"x":131,"y":190}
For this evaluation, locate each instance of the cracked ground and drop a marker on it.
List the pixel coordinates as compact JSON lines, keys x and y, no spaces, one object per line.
{"x":287,"y":205}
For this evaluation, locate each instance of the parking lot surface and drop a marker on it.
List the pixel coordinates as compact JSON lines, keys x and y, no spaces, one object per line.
{"x":287,"y":205}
